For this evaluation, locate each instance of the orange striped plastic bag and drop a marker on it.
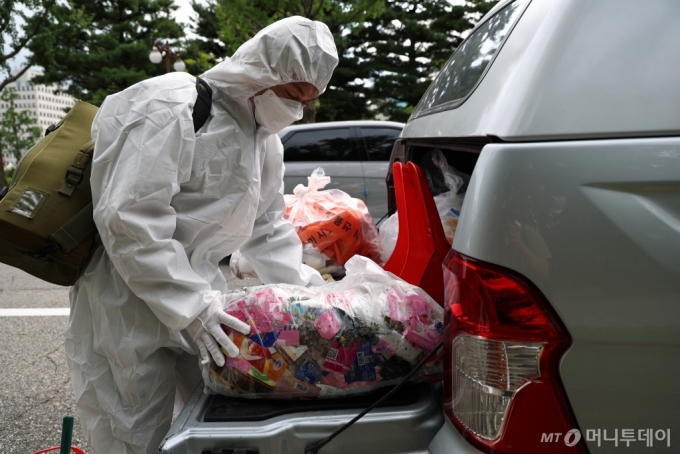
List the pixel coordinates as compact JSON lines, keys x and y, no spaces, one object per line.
{"x":333,"y":222}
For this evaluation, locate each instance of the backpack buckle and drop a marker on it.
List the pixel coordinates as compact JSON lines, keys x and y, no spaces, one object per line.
{"x":74,"y":176}
{"x":49,"y":129}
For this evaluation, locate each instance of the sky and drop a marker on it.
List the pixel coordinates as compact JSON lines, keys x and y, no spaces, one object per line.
{"x":185,"y":12}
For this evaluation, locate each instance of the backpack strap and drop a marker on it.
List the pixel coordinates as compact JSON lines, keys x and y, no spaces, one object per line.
{"x":203,"y":104}
{"x":75,"y":173}
{"x":75,"y":231}
{"x":79,"y":227}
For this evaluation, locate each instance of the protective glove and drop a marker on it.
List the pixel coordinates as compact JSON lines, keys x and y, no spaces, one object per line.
{"x":208,"y":334}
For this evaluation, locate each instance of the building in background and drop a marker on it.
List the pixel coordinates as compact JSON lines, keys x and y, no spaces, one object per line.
{"x":42,"y":102}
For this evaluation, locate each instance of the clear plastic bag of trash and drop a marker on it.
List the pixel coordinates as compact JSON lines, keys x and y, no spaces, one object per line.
{"x":439,"y":175}
{"x":353,"y":336}
{"x":332,"y":222}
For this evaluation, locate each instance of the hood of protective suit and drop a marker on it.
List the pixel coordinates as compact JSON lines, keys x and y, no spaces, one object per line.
{"x":294,"y":49}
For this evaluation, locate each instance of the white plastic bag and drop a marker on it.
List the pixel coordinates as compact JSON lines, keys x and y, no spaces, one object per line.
{"x":240,"y":267}
{"x":440,"y":176}
{"x":389,"y":232}
{"x":449,"y":203}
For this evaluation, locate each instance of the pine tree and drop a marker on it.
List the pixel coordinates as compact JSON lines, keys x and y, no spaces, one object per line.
{"x":103,"y":47}
{"x":203,"y":53}
{"x":401,"y":50}
{"x":344,"y":99}
{"x":23,"y":23}
{"x":240,"y":20}
{"x":18,"y":131}
{"x":389,"y":51}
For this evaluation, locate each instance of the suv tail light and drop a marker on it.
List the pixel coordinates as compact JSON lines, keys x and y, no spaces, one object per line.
{"x":503,"y":346}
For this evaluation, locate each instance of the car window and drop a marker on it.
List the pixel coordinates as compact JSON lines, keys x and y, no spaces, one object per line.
{"x":464,"y":70}
{"x":379,"y":142}
{"x":320,"y":145}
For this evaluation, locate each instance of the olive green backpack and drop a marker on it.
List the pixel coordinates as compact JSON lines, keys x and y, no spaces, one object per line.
{"x":46,"y":224}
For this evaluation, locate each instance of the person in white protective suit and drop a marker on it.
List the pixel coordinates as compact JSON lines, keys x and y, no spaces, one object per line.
{"x":169,"y":204}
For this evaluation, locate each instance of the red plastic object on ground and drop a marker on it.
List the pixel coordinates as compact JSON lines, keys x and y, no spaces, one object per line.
{"x":57,"y":448}
{"x":421,"y":246}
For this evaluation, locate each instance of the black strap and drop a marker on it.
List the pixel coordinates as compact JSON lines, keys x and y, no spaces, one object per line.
{"x":75,"y":231}
{"x":75,"y":173}
{"x":313,"y":448}
{"x":203,"y":104}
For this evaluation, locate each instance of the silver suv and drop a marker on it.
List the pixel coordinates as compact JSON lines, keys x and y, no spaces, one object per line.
{"x":355,"y":154}
{"x":563,"y":287}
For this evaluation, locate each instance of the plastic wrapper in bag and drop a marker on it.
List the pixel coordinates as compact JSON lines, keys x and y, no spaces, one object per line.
{"x":332,"y":222}
{"x":389,"y":232}
{"x":353,"y":336}
{"x":441,"y":177}
{"x":240,"y":267}
{"x":313,"y":257}
{"x":449,"y":203}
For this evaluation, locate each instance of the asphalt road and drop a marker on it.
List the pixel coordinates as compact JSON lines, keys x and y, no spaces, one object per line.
{"x":35,"y":389}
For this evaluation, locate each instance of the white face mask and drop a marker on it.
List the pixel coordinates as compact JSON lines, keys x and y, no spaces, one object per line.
{"x":276,"y":113}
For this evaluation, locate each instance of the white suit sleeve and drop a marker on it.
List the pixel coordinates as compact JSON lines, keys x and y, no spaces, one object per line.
{"x":144,"y":147}
{"x":274,"y":250}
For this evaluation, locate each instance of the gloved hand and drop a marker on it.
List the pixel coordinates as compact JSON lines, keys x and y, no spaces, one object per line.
{"x":208,"y":334}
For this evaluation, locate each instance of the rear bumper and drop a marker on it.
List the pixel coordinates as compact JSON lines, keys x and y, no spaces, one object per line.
{"x":405,"y":429}
{"x":449,"y":441}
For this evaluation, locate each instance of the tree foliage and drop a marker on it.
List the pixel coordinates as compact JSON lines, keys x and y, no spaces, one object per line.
{"x":401,"y":50}
{"x":239,"y":20}
{"x":344,"y":99}
{"x":18,"y":131}
{"x":23,"y":23}
{"x":204,"y":52}
{"x":99,"y":48}
{"x":389,"y":49}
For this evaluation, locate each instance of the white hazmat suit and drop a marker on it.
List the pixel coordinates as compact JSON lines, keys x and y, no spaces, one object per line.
{"x":169,"y":205}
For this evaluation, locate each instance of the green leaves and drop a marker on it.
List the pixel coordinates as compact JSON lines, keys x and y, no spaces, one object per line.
{"x":204,"y":52}
{"x":400,"y":51}
{"x":99,"y":48}
{"x":389,"y":50}
{"x":232,"y":22}
{"x":22,"y":24}
{"x":18,"y":131}
{"x":240,"y":20}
